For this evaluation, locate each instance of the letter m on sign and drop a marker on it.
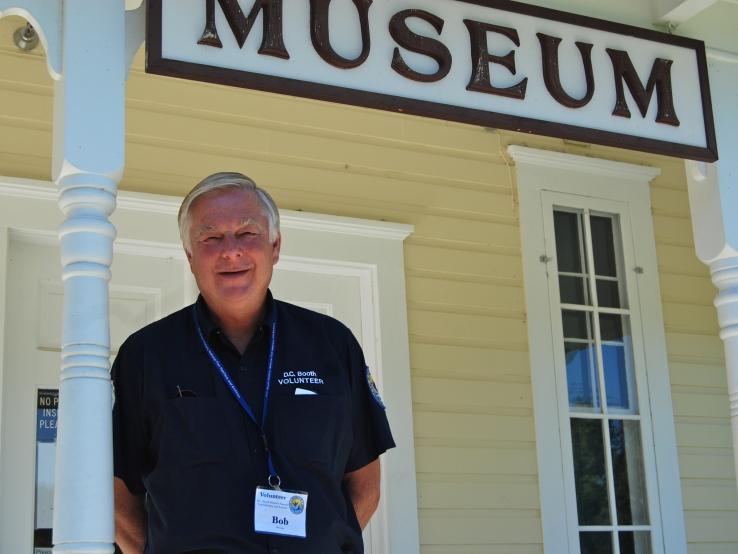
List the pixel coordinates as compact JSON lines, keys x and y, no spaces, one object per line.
{"x":660,"y":80}
{"x":272,"y":43}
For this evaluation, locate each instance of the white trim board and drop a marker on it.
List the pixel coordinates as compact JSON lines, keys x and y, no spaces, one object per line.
{"x":4,"y":244}
{"x":539,"y":171}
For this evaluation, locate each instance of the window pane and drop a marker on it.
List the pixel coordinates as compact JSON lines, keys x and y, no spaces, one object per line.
{"x":627,"y":465}
{"x":597,"y":542}
{"x":608,"y":295}
{"x":589,"y":472}
{"x":573,"y":290}
{"x":617,"y":378}
{"x":568,"y":241}
{"x":635,"y":542}
{"x":603,"y":246}
{"x":617,"y":360}
{"x":581,"y":376}
{"x":577,"y":325}
{"x":611,"y":327}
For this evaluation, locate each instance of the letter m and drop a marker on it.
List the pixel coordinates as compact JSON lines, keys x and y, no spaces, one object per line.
{"x":659,"y":80}
{"x":272,"y":43}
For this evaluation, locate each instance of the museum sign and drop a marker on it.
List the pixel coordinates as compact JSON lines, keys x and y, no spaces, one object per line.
{"x":486,"y":62}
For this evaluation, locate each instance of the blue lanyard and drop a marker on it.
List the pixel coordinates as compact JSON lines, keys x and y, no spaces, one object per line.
{"x":273,"y":479}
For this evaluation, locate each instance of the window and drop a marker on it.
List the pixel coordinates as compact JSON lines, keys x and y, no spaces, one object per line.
{"x":603,"y":408}
{"x":605,"y":436}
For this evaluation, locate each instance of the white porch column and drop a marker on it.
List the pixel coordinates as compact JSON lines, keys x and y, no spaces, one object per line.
{"x":88,"y":153}
{"x":713,"y":196}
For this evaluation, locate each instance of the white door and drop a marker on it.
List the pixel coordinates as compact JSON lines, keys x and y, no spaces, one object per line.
{"x":143,"y":289}
{"x":339,"y":291}
{"x":150,"y":280}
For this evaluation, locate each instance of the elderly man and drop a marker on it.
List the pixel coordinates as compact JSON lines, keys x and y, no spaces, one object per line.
{"x":243,"y":424}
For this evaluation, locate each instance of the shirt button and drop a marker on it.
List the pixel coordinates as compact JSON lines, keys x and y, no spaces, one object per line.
{"x":274,"y":551}
{"x":242,"y":367}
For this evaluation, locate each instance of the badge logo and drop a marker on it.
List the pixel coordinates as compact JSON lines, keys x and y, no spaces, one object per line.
{"x":373,"y":388}
{"x":297,"y":506}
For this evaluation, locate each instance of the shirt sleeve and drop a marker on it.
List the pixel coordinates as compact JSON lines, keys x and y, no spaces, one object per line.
{"x":129,"y":444}
{"x":372,"y":434}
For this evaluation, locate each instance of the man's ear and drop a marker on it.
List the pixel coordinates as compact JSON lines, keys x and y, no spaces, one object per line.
{"x":188,"y":254}
{"x":275,"y":249}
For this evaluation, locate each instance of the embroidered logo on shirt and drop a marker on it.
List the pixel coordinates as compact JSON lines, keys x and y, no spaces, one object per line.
{"x":300,"y":378}
{"x":373,"y":388}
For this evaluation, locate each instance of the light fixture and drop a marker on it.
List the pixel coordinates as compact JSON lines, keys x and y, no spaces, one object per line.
{"x":25,"y":38}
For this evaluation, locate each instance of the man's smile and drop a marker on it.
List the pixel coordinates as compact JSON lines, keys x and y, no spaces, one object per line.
{"x":233,"y":272}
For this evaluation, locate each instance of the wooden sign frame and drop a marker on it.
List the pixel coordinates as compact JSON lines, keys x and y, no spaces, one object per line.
{"x":157,"y":64}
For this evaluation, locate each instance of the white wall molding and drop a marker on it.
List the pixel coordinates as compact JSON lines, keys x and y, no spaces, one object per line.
{"x":581,"y":164}
{"x":151,"y":203}
{"x":4,"y":245}
{"x":722,"y":55}
{"x":345,"y":225}
{"x":28,"y":188}
{"x":160,"y":204}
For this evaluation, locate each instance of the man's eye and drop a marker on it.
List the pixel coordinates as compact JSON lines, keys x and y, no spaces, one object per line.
{"x":211,"y":238}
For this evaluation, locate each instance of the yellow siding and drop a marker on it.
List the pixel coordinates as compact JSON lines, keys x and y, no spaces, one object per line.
{"x":26,"y":95}
{"x":472,"y":401}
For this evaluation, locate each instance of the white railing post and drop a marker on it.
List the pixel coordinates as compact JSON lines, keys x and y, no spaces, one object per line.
{"x":88,"y":153}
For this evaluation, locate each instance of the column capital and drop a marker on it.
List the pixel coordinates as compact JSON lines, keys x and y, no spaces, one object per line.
{"x":713,"y":201}
{"x":713,"y":188}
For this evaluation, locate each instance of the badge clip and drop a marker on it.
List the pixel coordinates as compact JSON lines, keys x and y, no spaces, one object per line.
{"x":275,"y":482}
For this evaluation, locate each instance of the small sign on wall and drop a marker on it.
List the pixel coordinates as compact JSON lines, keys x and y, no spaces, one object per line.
{"x":47,"y":409}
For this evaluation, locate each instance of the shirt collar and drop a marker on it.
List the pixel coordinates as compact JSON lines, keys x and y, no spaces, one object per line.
{"x":209,"y":327}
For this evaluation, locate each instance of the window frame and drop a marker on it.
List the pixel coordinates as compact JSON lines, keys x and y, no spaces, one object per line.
{"x":587,"y":180}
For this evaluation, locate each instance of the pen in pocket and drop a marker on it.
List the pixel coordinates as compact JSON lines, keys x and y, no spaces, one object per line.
{"x":185,"y":393}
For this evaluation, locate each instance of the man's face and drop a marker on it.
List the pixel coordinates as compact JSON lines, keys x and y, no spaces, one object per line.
{"x":231,"y":255}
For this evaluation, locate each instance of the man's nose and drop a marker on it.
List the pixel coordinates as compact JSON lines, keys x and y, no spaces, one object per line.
{"x":230,"y":247}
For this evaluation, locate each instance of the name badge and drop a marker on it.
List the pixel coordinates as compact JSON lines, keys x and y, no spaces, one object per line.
{"x":280,"y":512}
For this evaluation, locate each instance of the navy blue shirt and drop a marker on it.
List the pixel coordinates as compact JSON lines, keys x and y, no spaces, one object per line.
{"x":182,"y":439}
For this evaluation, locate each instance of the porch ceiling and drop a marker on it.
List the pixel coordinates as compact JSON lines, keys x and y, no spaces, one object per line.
{"x":716,"y":25}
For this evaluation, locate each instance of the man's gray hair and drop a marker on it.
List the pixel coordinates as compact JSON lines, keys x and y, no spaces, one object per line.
{"x":223,"y":181}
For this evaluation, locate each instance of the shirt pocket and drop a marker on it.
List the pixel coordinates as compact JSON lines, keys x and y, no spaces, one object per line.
{"x":193,"y":433}
{"x":311,"y":428}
